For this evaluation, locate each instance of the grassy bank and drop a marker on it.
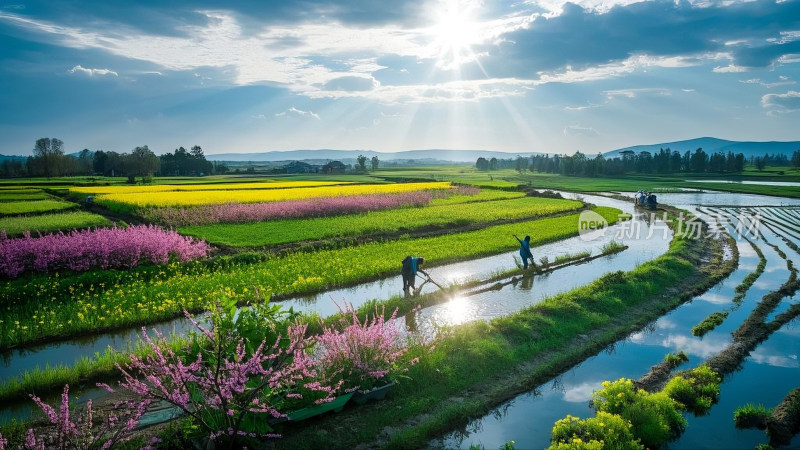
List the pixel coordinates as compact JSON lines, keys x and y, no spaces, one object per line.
{"x":49,"y":223}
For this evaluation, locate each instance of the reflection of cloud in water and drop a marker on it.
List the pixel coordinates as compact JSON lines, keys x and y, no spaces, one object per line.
{"x":761,"y":357}
{"x":789,"y":330}
{"x":763,"y":284}
{"x":709,"y":346}
{"x":715,"y":298}
{"x":638,"y":337}
{"x":746,"y":251}
{"x":582,"y":392}
{"x":666,"y":324}
{"x":748,"y":267}
{"x":776,"y":267}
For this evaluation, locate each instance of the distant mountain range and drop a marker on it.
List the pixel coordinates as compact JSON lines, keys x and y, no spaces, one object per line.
{"x":712,"y":145}
{"x":439,"y":156}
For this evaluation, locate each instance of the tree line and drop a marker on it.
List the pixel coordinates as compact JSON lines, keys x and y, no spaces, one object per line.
{"x":48,"y":160}
{"x":662,"y":162}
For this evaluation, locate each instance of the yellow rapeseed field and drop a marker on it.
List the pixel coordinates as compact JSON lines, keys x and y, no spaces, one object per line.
{"x":94,"y":190}
{"x":180,"y":199}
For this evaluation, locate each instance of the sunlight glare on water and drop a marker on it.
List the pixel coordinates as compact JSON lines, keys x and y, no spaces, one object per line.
{"x":457,"y":311}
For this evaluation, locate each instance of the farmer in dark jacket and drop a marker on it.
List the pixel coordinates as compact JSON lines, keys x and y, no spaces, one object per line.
{"x":411,"y":265}
{"x":525,"y":250}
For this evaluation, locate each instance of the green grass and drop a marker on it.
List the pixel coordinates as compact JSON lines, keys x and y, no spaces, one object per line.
{"x":559,"y":259}
{"x":45,"y":308}
{"x":48,"y":223}
{"x":709,"y":323}
{"x":34,"y":207}
{"x":613,"y":247}
{"x":378,"y":222}
{"x":751,"y":416}
{"x":778,"y":191}
{"x":23,"y":196}
{"x":676,"y":359}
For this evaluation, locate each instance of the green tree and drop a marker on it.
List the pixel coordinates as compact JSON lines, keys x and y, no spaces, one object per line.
{"x":142,"y":162}
{"x":482,"y":164}
{"x":49,"y":156}
{"x":362,"y":163}
{"x":796,"y":158}
{"x":374,"y":162}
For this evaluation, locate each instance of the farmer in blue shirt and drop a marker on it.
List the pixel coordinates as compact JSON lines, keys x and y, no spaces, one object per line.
{"x":411,"y":265}
{"x":525,"y":250}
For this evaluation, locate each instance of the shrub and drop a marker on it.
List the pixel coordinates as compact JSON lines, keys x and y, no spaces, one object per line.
{"x":655,"y":418}
{"x":696,"y":390}
{"x":676,"y":359}
{"x":602,"y":431}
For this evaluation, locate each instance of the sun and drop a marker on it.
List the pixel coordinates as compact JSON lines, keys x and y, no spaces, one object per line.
{"x":454,"y":32}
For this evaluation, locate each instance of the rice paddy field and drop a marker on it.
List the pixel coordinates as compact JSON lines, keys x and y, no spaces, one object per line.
{"x":79,"y":275}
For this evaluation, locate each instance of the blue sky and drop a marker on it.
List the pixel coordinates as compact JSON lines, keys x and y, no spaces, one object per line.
{"x":514,"y":76}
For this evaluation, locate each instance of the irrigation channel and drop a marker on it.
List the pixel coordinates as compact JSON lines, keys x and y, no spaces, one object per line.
{"x":642,"y":247}
{"x":764,"y":377}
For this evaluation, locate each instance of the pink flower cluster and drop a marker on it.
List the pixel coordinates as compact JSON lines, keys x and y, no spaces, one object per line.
{"x":294,"y":209}
{"x":363,"y":353}
{"x":101,"y":247}
{"x":85,"y":432}
{"x":219,"y":389}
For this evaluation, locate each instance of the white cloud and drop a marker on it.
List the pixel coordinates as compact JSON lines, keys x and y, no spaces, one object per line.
{"x":461,"y":90}
{"x":581,"y":108}
{"x":784,"y":81}
{"x":781,"y":103}
{"x":633,"y":93}
{"x":92,"y":72}
{"x":577,"y":130}
{"x":297,"y":113}
{"x":729,"y":69}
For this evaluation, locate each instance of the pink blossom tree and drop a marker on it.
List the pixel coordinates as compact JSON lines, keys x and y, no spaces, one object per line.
{"x":360,"y":355}
{"x":86,"y":431}
{"x":230,"y":392}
